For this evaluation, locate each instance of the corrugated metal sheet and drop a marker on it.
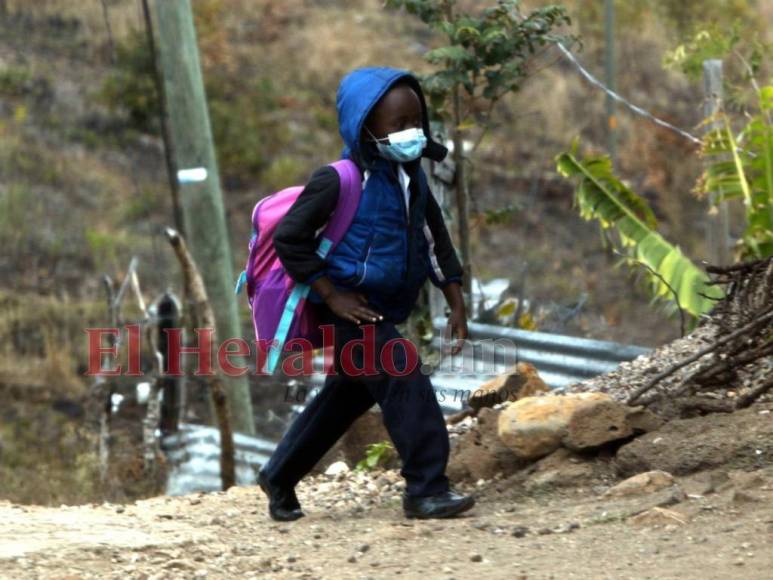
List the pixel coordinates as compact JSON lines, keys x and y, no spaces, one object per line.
{"x":560,"y":360}
{"x":194,"y":456}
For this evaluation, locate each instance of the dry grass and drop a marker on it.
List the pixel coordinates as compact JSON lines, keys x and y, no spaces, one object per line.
{"x":43,"y":341}
{"x":124,"y":15}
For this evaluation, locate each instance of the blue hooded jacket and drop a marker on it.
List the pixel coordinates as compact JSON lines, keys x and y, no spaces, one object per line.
{"x":385,"y":253}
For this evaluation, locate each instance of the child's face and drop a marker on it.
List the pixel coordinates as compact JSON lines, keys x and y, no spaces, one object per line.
{"x":398,"y":109}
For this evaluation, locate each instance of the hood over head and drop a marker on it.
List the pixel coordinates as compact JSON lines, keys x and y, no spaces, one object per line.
{"x":359,"y":92}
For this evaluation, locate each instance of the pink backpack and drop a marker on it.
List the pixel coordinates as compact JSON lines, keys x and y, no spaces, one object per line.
{"x":280,"y":311}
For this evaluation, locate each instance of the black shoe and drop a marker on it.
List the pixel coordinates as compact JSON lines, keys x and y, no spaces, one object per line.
{"x":283,"y":505}
{"x":442,"y":505}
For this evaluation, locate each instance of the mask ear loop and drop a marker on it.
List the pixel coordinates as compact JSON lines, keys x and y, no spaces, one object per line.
{"x":372,"y":136}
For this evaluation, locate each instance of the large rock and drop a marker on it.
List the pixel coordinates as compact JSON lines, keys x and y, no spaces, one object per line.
{"x":479,"y":454}
{"x":536,"y":426}
{"x":643,"y":420}
{"x":743,"y":439}
{"x":518,"y":382}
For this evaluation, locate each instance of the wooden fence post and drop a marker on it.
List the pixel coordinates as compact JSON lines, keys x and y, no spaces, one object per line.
{"x":168,"y":314}
{"x":201,"y":197}
{"x":440,"y":177}
{"x":717,"y":220}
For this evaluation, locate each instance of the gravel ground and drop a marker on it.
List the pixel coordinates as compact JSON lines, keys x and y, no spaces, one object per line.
{"x":354,"y":528}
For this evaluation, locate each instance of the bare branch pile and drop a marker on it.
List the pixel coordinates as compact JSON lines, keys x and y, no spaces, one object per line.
{"x":738,"y":359}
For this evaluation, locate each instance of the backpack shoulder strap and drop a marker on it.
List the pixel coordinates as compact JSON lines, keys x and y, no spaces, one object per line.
{"x":348,"y":200}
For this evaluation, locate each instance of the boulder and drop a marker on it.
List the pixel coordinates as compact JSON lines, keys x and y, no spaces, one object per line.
{"x":642,"y":420}
{"x":595,"y":422}
{"x":536,"y":426}
{"x":479,"y":454}
{"x":520,"y":381}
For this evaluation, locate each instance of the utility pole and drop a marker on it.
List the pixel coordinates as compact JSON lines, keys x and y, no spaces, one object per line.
{"x":166,"y":131}
{"x":717,"y":220}
{"x":609,"y":63}
{"x":201,"y":198}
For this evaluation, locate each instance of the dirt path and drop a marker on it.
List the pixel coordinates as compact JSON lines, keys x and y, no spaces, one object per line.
{"x":575,"y":533}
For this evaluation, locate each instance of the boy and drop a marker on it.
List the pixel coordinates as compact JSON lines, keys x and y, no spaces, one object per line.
{"x":373,"y":276}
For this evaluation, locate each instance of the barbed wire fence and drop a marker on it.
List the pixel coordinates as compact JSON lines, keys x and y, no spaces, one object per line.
{"x":636,"y":109}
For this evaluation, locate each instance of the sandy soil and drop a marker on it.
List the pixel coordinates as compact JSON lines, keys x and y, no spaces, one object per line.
{"x":511,"y":533}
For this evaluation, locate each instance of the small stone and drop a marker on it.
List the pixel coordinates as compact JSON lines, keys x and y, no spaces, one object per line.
{"x":352,"y":559}
{"x":642,"y":483}
{"x":120,"y":509}
{"x":744,"y":497}
{"x":476,"y":558}
{"x":567,"y":528}
{"x":659,"y":516}
{"x":520,"y":531}
{"x":544,"y":531}
{"x":363,"y":548}
{"x":337,"y":468}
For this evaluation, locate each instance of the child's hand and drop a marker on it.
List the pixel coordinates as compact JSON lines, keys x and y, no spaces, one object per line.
{"x":351,"y":306}
{"x":457,"y":320}
{"x":457,"y":327}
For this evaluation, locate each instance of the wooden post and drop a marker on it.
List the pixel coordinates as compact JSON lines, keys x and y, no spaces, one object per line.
{"x":200,"y":194}
{"x":168,"y":313}
{"x":717,"y":220}
{"x":441,"y":178}
{"x":103,"y":387}
{"x":166,"y":131}
{"x":462,"y":196}
{"x":202,"y":316}
{"x":609,"y":65}
{"x":109,"y":30}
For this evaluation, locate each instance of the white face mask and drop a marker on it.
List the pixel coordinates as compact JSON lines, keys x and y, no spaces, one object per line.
{"x":402,"y":146}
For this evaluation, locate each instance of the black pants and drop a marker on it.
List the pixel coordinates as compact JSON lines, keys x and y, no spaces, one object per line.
{"x":408,"y":403}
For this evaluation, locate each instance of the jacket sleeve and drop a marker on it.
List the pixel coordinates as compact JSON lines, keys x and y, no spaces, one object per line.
{"x":444,"y":263}
{"x":296,"y":236}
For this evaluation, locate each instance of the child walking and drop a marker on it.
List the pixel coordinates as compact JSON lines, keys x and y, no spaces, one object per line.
{"x":372,"y":278}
